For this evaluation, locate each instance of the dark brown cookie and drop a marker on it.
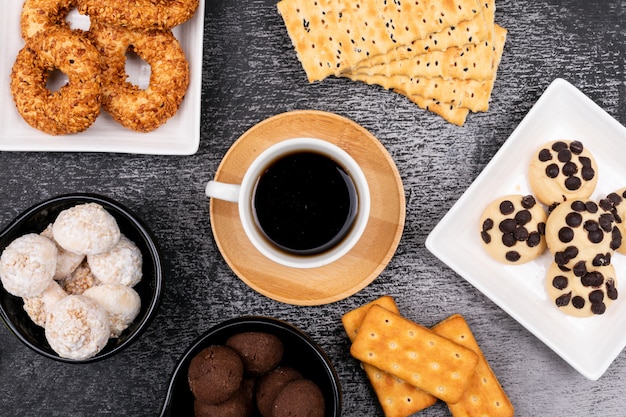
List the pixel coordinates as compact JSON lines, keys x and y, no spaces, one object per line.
{"x":215,"y":374}
{"x":261,"y":352}
{"x":270,"y":385}
{"x":301,"y":397}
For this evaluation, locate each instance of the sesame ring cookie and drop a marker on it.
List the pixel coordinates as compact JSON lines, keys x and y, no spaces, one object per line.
{"x":615,"y":202}
{"x":562,"y":170}
{"x":38,"y":15}
{"x":140,"y":14}
{"x":582,"y":291}
{"x":76,"y":105}
{"x":578,"y":230}
{"x":513,"y":228}
{"x":135,"y":108}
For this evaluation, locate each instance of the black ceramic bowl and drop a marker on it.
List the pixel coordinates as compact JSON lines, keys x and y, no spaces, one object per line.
{"x":301,"y":353}
{"x":35,"y":220}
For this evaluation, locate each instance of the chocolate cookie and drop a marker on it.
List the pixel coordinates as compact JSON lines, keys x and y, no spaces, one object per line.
{"x":582,"y":291}
{"x":261,"y":352}
{"x":512,"y":229}
{"x":301,"y":397}
{"x":215,"y":374}
{"x":270,"y":385}
{"x":582,"y":230}
{"x":616,"y":204}
{"x":562,"y":170}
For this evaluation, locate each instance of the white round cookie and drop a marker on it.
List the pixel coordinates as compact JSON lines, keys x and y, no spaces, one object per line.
{"x":582,"y":291}
{"x":77,"y":327}
{"x":121,"y":265}
{"x":122,"y":304}
{"x":582,"y":230}
{"x":67,"y":261}
{"x":39,"y":306}
{"x":27,"y":265}
{"x":86,"y":229}
{"x":512,"y":229}
{"x":562,"y":170}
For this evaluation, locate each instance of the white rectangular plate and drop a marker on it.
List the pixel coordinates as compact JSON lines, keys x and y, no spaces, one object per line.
{"x":589,"y":345}
{"x":179,"y":136}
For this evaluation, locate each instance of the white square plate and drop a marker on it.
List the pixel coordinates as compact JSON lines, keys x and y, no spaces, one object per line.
{"x":179,"y":136}
{"x":563,"y":112}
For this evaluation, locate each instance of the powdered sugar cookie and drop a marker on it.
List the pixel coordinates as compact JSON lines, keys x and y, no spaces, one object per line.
{"x":581,"y":230}
{"x":512,"y":229}
{"x":67,"y":261}
{"x":86,"y":229}
{"x":121,"y":303}
{"x":27,"y":265}
{"x":121,"y":265}
{"x":562,"y":170}
{"x":582,"y":291}
{"x":38,"y":307}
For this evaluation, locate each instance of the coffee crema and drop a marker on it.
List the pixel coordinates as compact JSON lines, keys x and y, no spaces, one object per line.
{"x":304,"y":203}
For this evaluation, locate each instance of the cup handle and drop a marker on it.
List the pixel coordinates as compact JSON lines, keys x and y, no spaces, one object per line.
{"x":223,"y":191}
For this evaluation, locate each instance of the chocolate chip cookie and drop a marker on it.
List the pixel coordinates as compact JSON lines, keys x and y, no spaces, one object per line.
{"x":562,"y":170}
{"x":512,"y":229}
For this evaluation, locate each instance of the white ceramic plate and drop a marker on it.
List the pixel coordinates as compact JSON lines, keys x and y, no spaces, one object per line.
{"x":179,"y":136}
{"x":588,"y":344}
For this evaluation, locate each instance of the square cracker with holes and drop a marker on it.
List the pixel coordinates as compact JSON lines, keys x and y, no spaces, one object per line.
{"x":415,"y":354}
{"x":484,"y":395}
{"x":396,"y":397}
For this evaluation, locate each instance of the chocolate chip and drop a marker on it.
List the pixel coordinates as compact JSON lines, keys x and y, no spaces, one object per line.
{"x":563,"y":300}
{"x":570,"y":169}
{"x":512,"y":256}
{"x":520,"y":234}
{"x":560,"y":282}
{"x":588,"y":173}
{"x":578,"y":302}
{"x":507,"y":225}
{"x":611,"y":290}
{"x":545,"y":155}
{"x":598,"y":308}
{"x":601,"y":259}
{"x":607,"y":204}
{"x":506,"y":207}
{"x":566,"y":234}
{"x":576,"y":147}
{"x":585,"y":162}
{"x":528,"y":202}
{"x":591,"y":207}
{"x":564,"y":155}
{"x":573,"y":183}
{"x":614,"y":198}
{"x":616,"y":239}
{"x":573,"y":219}
{"x":592,"y":279}
{"x":563,"y":257}
{"x":580,"y":269}
{"x":557,"y":146}
{"x":596,"y":296}
{"x":508,"y":240}
{"x":552,"y":171}
{"x":595,"y":236}
{"x":541,"y":228}
{"x":606,"y":222}
{"x":522,"y":217}
{"x":487,"y":224}
{"x":534,"y":239}
{"x":578,"y":206}
{"x":485,"y":237}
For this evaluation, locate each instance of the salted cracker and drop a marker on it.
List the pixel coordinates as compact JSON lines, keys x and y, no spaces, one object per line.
{"x":484,"y":395}
{"x":330,"y":36}
{"x":396,"y":397}
{"x":414,"y":353}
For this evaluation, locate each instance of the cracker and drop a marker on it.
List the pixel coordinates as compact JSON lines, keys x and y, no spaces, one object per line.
{"x":330,"y":36}
{"x":396,"y":397}
{"x":414,"y":353}
{"x":475,"y":30}
{"x":484,"y":395}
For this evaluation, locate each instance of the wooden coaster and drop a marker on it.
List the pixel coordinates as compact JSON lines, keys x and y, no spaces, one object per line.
{"x":357,"y":268}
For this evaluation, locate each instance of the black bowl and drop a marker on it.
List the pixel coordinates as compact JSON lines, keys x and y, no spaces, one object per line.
{"x":35,"y":220}
{"x":301,"y":353}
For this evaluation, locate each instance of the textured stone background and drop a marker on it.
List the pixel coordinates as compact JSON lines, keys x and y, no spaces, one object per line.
{"x":251,"y":73}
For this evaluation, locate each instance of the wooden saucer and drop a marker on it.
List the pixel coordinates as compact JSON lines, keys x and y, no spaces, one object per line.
{"x":357,"y":268}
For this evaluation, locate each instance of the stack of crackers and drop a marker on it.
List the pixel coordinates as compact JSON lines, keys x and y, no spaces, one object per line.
{"x":410,"y":367}
{"x":441,"y":54}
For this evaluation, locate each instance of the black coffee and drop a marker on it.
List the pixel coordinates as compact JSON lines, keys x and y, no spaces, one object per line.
{"x":305,"y":203}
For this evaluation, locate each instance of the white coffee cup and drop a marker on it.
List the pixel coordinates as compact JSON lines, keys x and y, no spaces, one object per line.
{"x":243,"y":193}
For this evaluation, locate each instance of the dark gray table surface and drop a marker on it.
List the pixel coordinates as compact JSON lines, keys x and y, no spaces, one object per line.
{"x":250,"y":73}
